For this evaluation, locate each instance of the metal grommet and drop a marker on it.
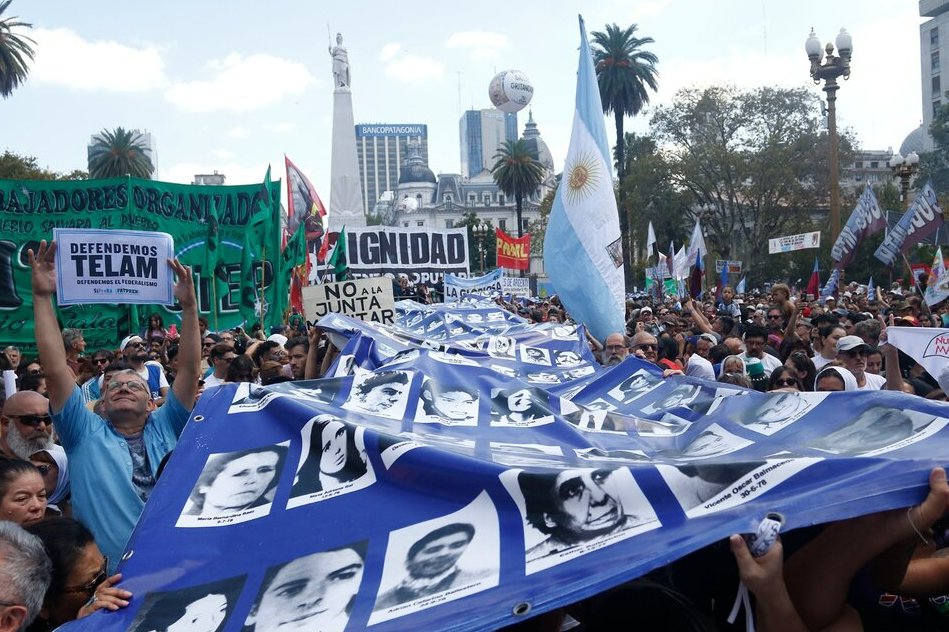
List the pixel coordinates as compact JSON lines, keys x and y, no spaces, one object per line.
{"x":128,"y":555}
{"x":198,"y":418}
{"x":521,"y":609}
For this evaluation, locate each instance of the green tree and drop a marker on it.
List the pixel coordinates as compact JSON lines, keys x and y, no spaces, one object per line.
{"x":119,"y":152}
{"x":517,"y":173}
{"x":754,"y":165}
{"x":16,"y":167}
{"x":15,"y":52}
{"x":625,"y":73}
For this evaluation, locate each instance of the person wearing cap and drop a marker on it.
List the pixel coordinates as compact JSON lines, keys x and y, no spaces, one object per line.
{"x":135,"y":355}
{"x":113,"y":459}
{"x":647,"y":321}
{"x":852,"y":352}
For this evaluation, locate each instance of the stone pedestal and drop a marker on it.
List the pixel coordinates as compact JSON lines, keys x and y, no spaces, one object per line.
{"x":346,"y":205}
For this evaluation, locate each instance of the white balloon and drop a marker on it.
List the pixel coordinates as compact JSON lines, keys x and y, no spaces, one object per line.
{"x":511,"y":91}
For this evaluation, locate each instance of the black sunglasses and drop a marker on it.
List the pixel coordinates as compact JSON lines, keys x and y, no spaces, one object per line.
{"x":646,"y":346}
{"x":33,"y":420}
{"x":788,"y":381}
{"x":90,"y":588}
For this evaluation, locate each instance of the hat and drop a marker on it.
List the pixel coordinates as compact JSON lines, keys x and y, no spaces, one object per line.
{"x":280,"y":339}
{"x":754,"y":367}
{"x":709,"y":337}
{"x":849,"y":343}
{"x":910,"y":321}
{"x":645,"y":309}
{"x":125,"y":341}
{"x":830,"y":298}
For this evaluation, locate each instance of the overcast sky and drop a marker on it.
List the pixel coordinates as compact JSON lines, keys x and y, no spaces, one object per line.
{"x":232,"y":86}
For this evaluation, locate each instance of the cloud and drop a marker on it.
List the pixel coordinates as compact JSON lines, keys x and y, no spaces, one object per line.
{"x":414,"y":69}
{"x":223,"y":154}
{"x":482,"y":45}
{"x":389,"y":51}
{"x":64,"y":58}
{"x":241,"y":84}
{"x":282,"y":128}
{"x":238,"y":132}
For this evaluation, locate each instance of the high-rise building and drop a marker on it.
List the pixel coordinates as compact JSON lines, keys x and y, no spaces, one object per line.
{"x":932,"y":33}
{"x":380,"y":149}
{"x":482,"y":133}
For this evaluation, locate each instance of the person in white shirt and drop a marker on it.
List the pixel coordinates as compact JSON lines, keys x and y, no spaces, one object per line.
{"x":852,"y":352}
{"x":756,"y":336}
{"x":220,"y":358}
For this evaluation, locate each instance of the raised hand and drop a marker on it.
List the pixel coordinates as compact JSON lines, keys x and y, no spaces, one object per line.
{"x":43,"y":265}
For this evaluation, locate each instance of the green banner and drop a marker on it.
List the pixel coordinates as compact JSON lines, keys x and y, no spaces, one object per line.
{"x":31,"y":209}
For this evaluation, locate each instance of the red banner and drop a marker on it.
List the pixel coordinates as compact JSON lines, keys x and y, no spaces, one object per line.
{"x":513,"y":252}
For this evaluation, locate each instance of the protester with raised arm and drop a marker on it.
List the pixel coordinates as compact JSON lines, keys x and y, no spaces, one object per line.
{"x":113,"y":458}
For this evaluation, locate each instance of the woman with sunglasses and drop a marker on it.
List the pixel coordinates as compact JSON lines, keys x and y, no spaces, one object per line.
{"x":803,"y":367}
{"x":22,"y":492}
{"x":785,"y":380}
{"x":80,"y":583}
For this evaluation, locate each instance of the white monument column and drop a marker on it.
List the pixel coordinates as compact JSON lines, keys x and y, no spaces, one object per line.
{"x":346,"y":205}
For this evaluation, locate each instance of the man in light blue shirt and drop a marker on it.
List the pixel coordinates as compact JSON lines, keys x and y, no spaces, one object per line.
{"x":113,"y":458}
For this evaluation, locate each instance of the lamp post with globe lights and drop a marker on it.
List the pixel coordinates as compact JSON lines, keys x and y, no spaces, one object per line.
{"x":905,"y":169}
{"x":831,"y":68}
{"x":480,"y":231}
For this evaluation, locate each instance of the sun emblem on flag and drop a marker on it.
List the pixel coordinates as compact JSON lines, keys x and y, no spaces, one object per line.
{"x":582,"y":177}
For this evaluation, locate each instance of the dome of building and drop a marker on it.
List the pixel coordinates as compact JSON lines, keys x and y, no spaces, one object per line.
{"x":536,"y":144}
{"x":913,"y":141}
{"x":414,"y":169}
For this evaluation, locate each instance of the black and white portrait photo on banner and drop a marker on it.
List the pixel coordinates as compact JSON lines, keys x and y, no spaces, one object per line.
{"x":568,"y":359}
{"x":592,"y":419}
{"x":703,"y":488}
{"x":440,"y":560}
{"x":519,"y":407}
{"x":878,"y":430}
{"x":572,"y":512}
{"x":447,"y":404}
{"x":384,"y":394}
{"x":204,"y":608}
{"x":634,"y":386}
{"x":312,"y":592}
{"x":235,"y":487}
{"x":333,"y":461}
{"x":535,"y":355}
{"x":250,"y":398}
{"x":502,"y":347}
{"x":679,"y":395}
{"x":710,"y":442}
{"x":774,"y":411}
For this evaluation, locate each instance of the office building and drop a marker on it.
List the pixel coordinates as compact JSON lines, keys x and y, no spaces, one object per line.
{"x":482,"y":133}
{"x":381,"y":150}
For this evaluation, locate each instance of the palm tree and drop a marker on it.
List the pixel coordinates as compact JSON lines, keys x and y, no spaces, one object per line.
{"x":119,"y":153}
{"x":15,"y":52}
{"x":623,"y":72}
{"x":517,"y":172}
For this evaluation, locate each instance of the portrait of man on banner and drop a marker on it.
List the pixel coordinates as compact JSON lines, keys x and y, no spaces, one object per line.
{"x":312,"y":592}
{"x":571,"y":512}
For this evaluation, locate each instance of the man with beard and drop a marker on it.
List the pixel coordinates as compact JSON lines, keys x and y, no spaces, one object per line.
{"x":136,"y":356}
{"x":615,"y":349}
{"x":25,"y":425}
{"x":432,"y":563}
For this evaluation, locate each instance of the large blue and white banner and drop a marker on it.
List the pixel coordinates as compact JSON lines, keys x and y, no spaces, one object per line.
{"x":487,"y":284}
{"x":466,"y":482}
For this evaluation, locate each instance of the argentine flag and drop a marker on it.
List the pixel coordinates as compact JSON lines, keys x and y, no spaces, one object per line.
{"x":583,"y":251}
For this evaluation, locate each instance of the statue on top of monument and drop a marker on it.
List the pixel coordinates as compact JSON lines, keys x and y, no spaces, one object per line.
{"x":340,"y":63}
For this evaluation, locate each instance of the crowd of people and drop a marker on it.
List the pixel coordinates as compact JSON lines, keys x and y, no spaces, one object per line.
{"x":84,"y":435}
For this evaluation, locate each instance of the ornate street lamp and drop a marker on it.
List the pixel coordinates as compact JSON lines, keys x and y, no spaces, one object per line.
{"x":905,"y":169}
{"x":832,"y":68}
{"x":480,"y":232}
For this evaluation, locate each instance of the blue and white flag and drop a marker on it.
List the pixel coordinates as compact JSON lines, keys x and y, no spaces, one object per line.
{"x":740,"y":288}
{"x":830,"y":288}
{"x":923,"y":218}
{"x":936,"y":290}
{"x":871,"y":290}
{"x":456,"y":287}
{"x":583,"y":248}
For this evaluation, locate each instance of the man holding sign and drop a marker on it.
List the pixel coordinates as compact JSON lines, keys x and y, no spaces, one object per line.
{"x":112,"y":462}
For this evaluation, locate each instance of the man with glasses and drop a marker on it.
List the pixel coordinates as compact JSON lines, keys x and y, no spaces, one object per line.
{"x":756,"y":337}
{"x":135,"y":354}
{"x":220,"y":358}
{"x":645,"y":345}
{"x":615,"y":349}
{"x":25,"y":426}
{"x":90,"y":388}
{"x":113,"y":464}
{"x":852,"y":352}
